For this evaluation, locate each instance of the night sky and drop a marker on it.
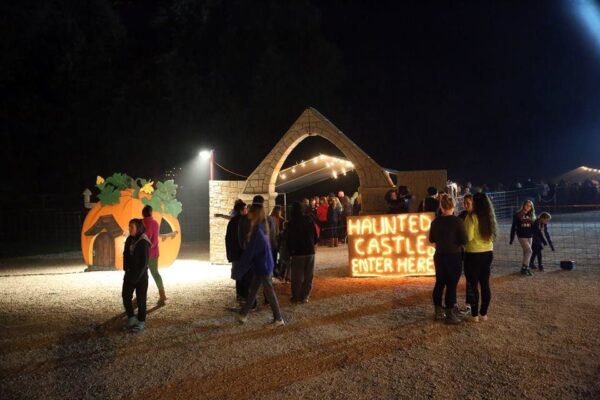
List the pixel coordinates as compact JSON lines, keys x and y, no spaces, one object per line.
{"x":490,"y":91}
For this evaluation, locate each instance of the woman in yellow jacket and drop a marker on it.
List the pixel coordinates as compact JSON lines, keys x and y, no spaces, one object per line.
{"x":479,"y":253}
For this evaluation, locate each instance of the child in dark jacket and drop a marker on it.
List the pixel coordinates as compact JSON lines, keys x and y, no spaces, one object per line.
{"x":135,"y":265}
{"x":541,"y":238}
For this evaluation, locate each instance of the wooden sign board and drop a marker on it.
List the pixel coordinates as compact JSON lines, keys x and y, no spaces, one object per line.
{"x":390,"y":245}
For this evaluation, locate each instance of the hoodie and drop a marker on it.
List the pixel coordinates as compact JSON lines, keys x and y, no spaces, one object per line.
{"x":135,"y":258}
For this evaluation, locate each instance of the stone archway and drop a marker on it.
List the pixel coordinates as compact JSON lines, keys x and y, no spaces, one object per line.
{"x":374,"y":180}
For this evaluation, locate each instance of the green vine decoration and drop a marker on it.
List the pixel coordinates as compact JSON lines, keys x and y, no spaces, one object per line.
{"x":163,"y":199}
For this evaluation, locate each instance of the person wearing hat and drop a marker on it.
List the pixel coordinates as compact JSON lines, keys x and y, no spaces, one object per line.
{"x":233,"y":247}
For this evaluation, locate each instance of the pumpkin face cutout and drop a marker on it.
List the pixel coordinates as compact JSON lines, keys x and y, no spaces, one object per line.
{"x":107,"y":226}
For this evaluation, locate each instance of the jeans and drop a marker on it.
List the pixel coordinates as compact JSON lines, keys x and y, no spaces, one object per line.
{"x":537,"y":253}
{"x":448,"y":268}
{"x":141,"y":292}
{"x":526,"y":245}
{"x":265,"y":281}
{"x":303,"y":269}
{"x":153,"y":266}
{"x":477,"y":271}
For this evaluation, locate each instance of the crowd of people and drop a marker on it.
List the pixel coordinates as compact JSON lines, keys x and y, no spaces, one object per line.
{"x":260,"y":246}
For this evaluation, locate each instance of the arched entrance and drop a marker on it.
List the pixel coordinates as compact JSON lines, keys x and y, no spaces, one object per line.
{"x":374,"y":180}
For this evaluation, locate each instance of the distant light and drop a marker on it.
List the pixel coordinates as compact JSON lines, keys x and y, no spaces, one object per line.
{"x":205,"y":154}
{"x":328,"y":164}
{"x":335,"y":175}
{"x":321,"y":156}
{"x":283,"y":176}
{"x":293,"y":170}
{"x":315,"y":161}
{"x":344,"y":171}
{"x":303,"y":164}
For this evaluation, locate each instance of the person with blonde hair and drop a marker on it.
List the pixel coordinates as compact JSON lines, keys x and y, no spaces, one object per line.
{"x":448,"y":234}
{"x":257,"y":256}
{"x":541,"y":238}
{"x":522,"y":227}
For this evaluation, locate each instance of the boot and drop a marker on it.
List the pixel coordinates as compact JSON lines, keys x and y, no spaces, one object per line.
{"x":453,"y":316}
{"x":440,"y":315}
{"x":163,"y":296}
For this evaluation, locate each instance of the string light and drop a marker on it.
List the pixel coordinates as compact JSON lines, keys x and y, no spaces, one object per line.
{"x":294,"y":170}
{"x":283,"y":176}
{"x":334,"y":175}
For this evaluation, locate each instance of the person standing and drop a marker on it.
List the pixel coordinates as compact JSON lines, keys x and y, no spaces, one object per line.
{"x":301,"y":241}
{"x":234,"y":249}
{"x":330,"y":230}
{"x":258,"y":258}
{"x":479,"y":254}
{"x":136,"y":255}
{"x":522,"y":227}
{"x":467,"y":205}
{"x":431,"y":203}
{"x":449,"y":236}
{"x":541,"y":238}
{"x":275,"y":220}
{"x":152,"y":232}
{"x":346,"y":212}
{"x":322,"y":213}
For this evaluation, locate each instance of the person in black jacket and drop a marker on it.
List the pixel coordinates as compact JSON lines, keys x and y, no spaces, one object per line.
{"x":431,"y":202}
{"x":301,"y":241}
{"x":522,"y":227}
{"x":135,"y":265}
{"x":449,"y":235}
{"x":234,"y":248}
{"x":541,"y":238}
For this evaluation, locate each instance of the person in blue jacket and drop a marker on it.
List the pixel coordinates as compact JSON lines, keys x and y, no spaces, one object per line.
{"x":258,"y":257}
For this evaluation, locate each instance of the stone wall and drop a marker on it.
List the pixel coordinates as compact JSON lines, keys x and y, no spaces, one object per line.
{"x":419,"y":181}
{"x":222,"y":195}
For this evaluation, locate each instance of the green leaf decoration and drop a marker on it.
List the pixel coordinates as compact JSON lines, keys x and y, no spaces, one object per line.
{"x":174,"y":208}
{"x":119,"y":181}
{"x":109,"y":196}
{"x":163,"y":198}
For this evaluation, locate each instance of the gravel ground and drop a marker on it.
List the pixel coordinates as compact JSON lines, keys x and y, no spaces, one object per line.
{"x":61,"y":337}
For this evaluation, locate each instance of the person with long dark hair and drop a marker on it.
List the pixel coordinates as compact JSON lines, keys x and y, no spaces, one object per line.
{"x":449,"y":236}
{"x":479,"y":254}
{"x":301,"y":241}
{"x":136,"y":255}
{"x":257,"y":256}
{"x":522,"y":227}
{"x":234,"y":249}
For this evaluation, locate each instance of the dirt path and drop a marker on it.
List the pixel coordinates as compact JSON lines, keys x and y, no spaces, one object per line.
{"x":358,"y":338}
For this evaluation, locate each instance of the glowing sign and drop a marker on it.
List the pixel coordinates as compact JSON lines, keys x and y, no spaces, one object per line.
{"x":390,"y":245}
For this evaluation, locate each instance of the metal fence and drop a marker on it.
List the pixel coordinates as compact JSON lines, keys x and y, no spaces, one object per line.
{"x":574,"y":229}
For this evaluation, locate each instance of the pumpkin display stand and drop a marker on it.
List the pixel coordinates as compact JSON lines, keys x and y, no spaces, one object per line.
{"x":106,"y":225}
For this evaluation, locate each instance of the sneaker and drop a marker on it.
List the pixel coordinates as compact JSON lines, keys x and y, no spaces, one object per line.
{"x":483,"y":317}
{"x":528,"y":272}
{"x":131,"y":322}
{"x":466,"y":310}
{"x":242,"y":319}
{"x":306,"y":300}
{"x":470,"y":318}
{"x":532,"y":266}
{"x":139,"y":327}
{"x":541,"y":268}
{"x":275,"y":324}
{"x":452,"y":316}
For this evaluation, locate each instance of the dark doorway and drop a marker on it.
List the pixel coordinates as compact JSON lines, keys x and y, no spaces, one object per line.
{"x":104,"y":251}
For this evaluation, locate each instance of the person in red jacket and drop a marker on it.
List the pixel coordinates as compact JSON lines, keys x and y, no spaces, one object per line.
{"x":152,"y":231}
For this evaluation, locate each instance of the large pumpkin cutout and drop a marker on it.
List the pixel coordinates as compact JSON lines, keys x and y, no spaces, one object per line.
{"x":107,"y":226}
